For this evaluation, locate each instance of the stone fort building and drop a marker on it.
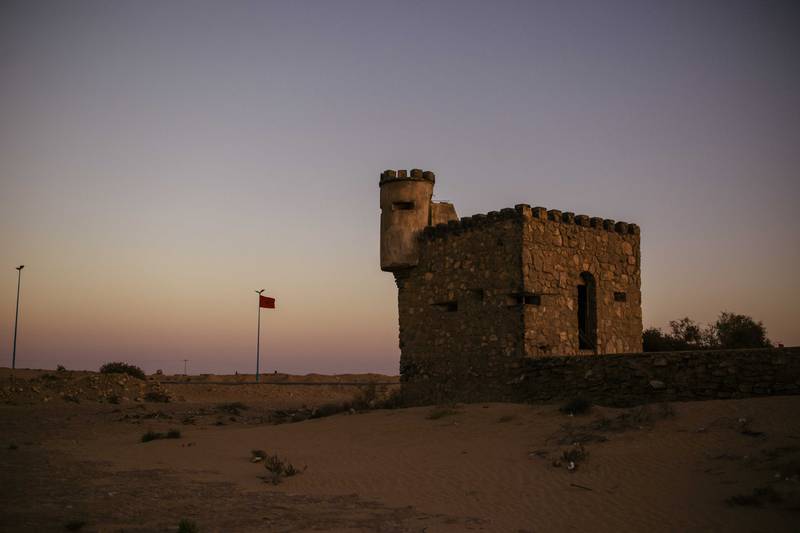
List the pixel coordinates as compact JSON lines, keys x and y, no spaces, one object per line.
{"x":480,"y":295}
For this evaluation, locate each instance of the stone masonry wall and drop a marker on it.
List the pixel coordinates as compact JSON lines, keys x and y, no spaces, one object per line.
{"x":455,"y":324}
{"x":557,"y":248}
{"x":630,"y":379}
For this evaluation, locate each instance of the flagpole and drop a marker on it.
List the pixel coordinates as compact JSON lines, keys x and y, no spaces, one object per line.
{"x":258,"y":334}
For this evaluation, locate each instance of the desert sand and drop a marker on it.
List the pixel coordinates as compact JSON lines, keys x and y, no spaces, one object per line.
{"x":729,"y":465}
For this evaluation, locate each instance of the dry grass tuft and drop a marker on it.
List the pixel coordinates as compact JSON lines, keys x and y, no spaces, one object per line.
{"x":155,"y":435}
{"x":441,"y":412}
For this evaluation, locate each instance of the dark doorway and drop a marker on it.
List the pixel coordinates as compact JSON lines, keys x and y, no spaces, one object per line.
{"x":587,"y":312}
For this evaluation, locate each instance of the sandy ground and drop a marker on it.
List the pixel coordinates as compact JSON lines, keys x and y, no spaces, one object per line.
{"x":728,"y":465}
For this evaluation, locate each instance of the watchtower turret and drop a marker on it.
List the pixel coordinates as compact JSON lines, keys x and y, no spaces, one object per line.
{"x":405,"y":211}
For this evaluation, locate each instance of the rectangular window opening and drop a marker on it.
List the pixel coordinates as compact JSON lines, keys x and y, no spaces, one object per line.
{"x":478,"y":295}
{"x":532,"y":299}
{"x":620,"y":297}
{"x":403,"y":206}
{"x":449,"y":307}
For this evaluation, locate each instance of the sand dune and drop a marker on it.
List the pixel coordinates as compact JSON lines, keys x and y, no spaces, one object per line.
{"x":483,"y":467}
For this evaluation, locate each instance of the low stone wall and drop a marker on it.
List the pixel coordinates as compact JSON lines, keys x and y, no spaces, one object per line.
{"x":627,"y":379}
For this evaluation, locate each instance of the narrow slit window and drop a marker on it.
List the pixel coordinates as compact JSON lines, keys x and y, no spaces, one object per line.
{"x":620,"y":297}
{"x":523,"y":298}
{"x":403,"y":206}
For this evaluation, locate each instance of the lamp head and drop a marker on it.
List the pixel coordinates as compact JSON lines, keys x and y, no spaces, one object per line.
{"x":20,"y":267}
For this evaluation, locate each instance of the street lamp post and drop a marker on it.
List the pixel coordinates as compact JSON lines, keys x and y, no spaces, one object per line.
{"x":16,"y":319}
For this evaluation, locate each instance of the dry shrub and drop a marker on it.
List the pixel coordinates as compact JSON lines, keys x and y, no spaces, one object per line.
{"x":441,"y":412}
{"x":157,"y":396}
{"x":576,"y":406}
{"x":635,"y":418}
{"x":571,"y":457}
{"x":188,"y":526}
{"x":759,"y":496}
{"x":156,"y":435}
{"x":278,"y":469}
{"x":232,"y":408}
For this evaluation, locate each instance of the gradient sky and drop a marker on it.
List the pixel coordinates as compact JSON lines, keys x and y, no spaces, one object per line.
{"x":161,"y":160}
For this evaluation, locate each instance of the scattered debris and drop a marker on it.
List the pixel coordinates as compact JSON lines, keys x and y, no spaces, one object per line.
{"x":257,"y":456}
{"x":571,"y":457}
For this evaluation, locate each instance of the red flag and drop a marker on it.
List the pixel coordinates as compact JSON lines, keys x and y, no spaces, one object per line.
{"x":266,"y":302}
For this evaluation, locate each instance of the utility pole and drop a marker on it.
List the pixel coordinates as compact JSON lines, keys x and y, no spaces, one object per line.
{"x":16,"y":319}
{"x":185,"y":367}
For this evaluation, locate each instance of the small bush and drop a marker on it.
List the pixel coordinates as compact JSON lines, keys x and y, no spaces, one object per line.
{"x":152,"y":435}
{"x":757,"y":498}
{"x":367,"y":398}
{"x":441,"y":412}
{"x":329,"y":409}
{"x":156,"y":435}
{"x":157,"y":396}
{"x":744,"y":500}
{"x":188,"y":526}
{"x":122,"y":368}
{"x":576,"y":406}
{"x":233,"y":408}
{"x":60,"y":368}
{"x":394,"y":400}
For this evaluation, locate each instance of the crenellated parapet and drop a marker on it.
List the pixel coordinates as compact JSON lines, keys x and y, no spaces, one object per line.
{"x":416,"y":174}
{"x":524,"y":211}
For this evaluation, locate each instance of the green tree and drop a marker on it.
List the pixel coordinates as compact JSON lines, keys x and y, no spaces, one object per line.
{"x":686,"y":332}
{"x":740,"y":331}
{"x":655,"y":340}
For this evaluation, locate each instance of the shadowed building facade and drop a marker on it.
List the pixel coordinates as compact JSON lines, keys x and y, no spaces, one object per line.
{"x":479,"y":295}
